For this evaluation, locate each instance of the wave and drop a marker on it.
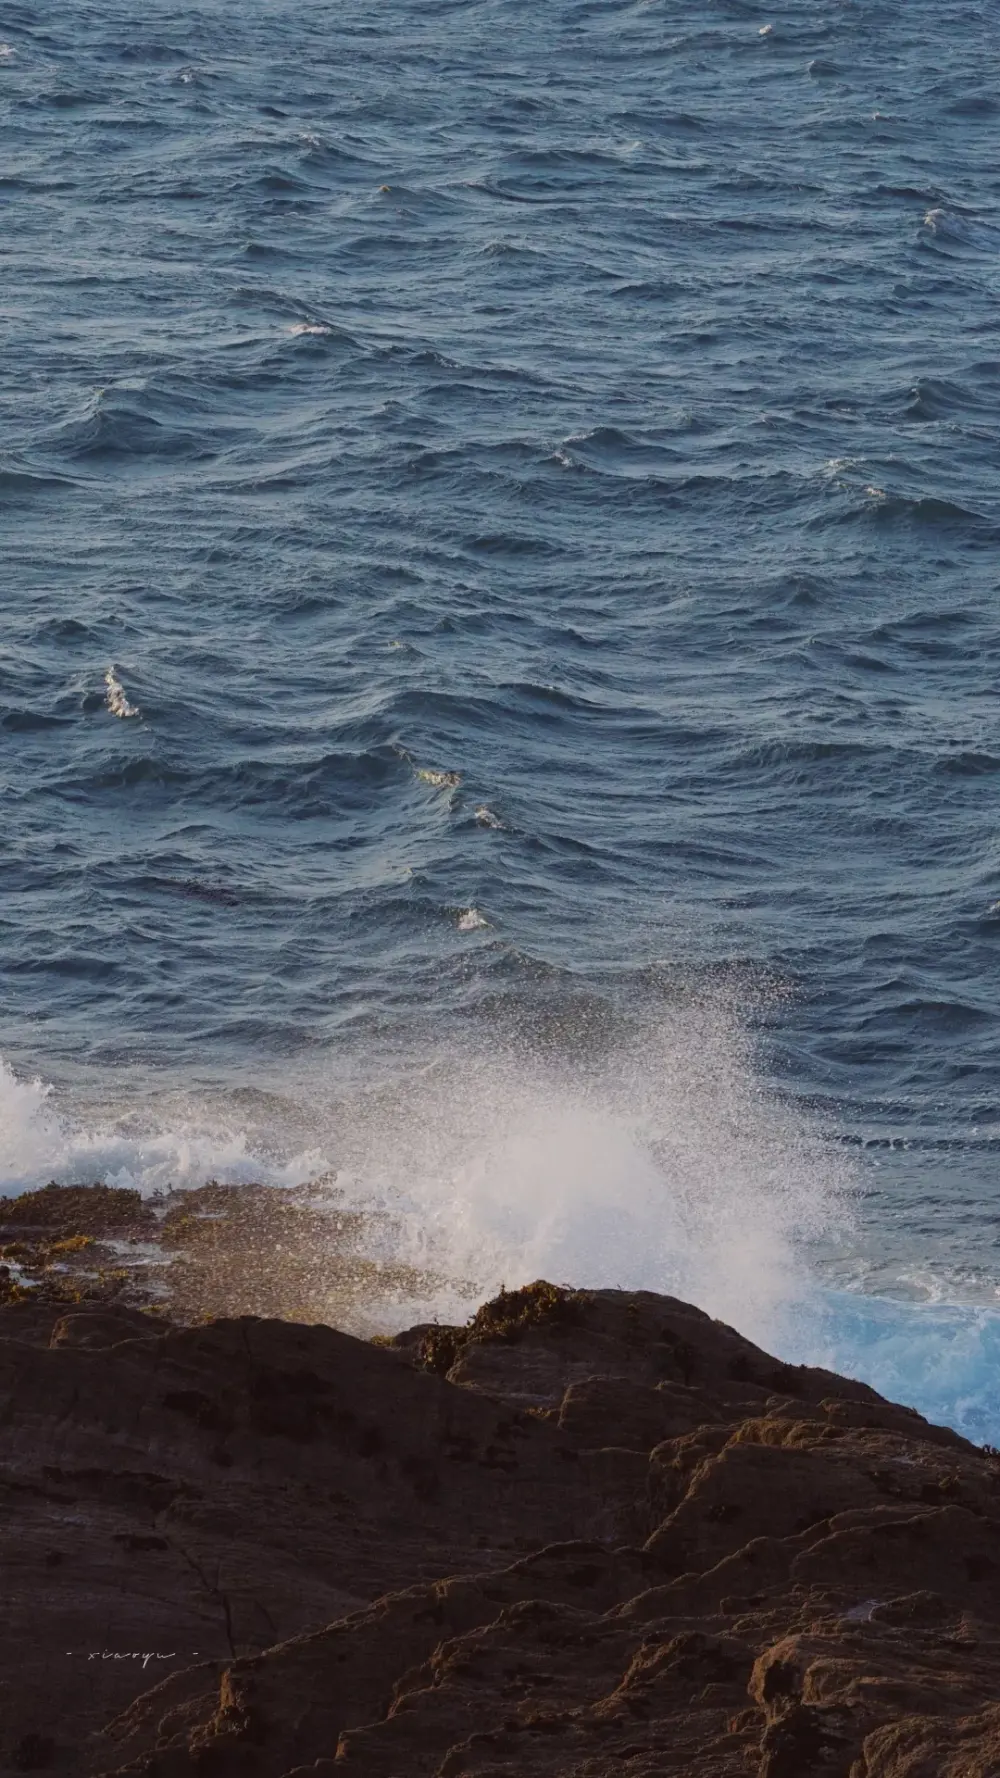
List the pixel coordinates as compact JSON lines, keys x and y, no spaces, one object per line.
{"x":614,"y":451}
{"x":942,"y":1358}
{"x":31,"y":722}
{"x":26,"y":482}
{"x":950,"y":229}
{"x":793,"y":755}
{"x":933,"y":512}
{"x":969,"y":763}
{"x":939,"y":398}
{"x":653,"y":1158}
{"x":658,"y":1160}
{"x":137,"y":418}
{"x":314,"y":784}
{"x":116,"y":700}
{"x":43,"y":1139}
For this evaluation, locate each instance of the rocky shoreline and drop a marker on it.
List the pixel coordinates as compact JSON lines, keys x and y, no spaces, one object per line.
{"x":297,"y":1254}
{"x":589,"y":1533}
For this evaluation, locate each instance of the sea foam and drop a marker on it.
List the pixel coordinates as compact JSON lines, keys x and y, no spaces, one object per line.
{"x":662,"y":1163}
{"x":115,"y":697}
{"x":42,"y":1138}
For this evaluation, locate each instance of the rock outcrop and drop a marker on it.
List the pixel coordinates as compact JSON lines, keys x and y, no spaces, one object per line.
{"x":593,"y":1532}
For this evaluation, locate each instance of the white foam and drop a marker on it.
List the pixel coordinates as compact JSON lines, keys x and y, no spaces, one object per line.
{"x":29,"y":1132}
{"x":115,"y":698}
{"x":438,"y":780}
{"x":471,"y":920}
{"x":314,"y":327}
{"x":41,"y":1140}
{"x":661,"y":1163}
{"x":664,"y":1164}
{"x":862,"y":1613}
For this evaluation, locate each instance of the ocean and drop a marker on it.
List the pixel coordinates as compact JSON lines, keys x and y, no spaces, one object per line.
{"x":499,"y":643}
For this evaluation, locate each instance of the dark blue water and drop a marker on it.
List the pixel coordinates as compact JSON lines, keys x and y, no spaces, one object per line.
{"x":534,"y":473}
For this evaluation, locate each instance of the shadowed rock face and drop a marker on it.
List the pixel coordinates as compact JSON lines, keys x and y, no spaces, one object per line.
{"x":593,"y":1532}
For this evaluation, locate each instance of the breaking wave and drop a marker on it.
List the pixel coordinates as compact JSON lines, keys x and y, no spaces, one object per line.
{"x":44,"y":1139}
{"x":659,"y":1160}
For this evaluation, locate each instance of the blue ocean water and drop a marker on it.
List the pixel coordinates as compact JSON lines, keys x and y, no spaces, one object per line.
{"x":498,"y":641}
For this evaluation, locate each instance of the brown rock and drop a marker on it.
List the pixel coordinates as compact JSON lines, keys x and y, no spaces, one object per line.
{"x":590,"y":1532}
{"x":74,"y":1210}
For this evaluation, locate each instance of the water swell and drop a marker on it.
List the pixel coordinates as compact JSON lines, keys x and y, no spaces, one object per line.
{"x":133,"y":423}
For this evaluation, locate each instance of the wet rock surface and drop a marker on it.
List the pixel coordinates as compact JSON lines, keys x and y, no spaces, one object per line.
{"x":591,"y":1532}
{"x":298,"y":1254}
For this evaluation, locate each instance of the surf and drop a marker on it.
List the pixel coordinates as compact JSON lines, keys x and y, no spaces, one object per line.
{"x":655,"y":1158}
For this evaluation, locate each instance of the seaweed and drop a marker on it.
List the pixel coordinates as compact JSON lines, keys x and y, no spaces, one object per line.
{"x":507,"y":1317}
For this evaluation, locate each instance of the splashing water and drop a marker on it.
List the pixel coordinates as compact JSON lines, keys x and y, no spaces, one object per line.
{"x":659,"y":1162}
{"x":472,"y":920}
{"x":662,"y":1164}
{"x":652,"y":1159}
{"x":29,"y":1131}
{"x":39,"y":1143}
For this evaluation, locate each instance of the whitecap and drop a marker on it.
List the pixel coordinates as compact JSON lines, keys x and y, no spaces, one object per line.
{"x":116,"y":700}
{"x":183,"y":1145}
{"x":471,"y":920}
{"x":766,"y":31}
{"x":439,"y":780}
{"x":486,"y":818}
{"x":300,"y":327}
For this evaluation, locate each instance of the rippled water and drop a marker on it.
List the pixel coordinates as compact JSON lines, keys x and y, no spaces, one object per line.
{"x":500,"y":560}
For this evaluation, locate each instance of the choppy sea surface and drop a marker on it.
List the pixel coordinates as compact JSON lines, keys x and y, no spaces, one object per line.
{"x":499,"y":645}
